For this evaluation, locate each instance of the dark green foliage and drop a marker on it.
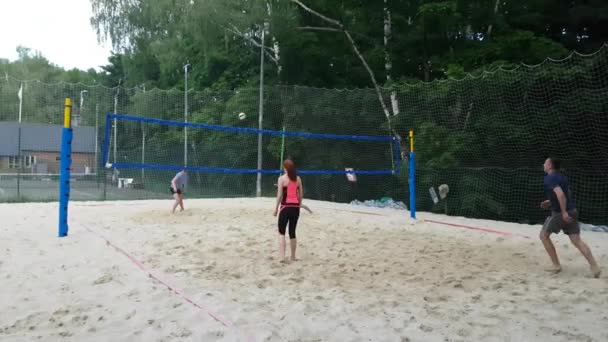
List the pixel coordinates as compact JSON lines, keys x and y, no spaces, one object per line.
{"x":485,"y":133}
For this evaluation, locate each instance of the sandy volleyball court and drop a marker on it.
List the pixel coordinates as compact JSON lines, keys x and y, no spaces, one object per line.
{"x":368,"y":275}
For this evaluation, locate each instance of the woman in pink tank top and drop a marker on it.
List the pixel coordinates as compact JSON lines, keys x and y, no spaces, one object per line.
{"x":289,"y":200}
{"x":292,"y":192}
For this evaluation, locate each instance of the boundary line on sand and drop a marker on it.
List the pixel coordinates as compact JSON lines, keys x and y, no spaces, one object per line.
{"x":487,"y":230}
{"x":225,"y":322}
{"x":352,"y":211}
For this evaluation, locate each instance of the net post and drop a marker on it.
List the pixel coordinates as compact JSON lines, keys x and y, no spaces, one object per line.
{"x":66,"y":163}
{"x":396,"y":156}
{"x":105,"y":153}
{"x":258,"y":185}
{"x":20,"y":165}
{"x":282,"y":148}
{"x":412,"y":176}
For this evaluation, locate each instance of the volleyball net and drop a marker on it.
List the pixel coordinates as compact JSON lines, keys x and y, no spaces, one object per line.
{"x":224,"y":161}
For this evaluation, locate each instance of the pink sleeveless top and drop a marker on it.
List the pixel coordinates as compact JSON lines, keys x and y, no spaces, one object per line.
{"x":291,"y":194}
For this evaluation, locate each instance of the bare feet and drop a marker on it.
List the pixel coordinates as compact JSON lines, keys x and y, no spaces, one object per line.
{"x":554,"y":269}
{"x":293,"y":259}
{"x":596,"y":271}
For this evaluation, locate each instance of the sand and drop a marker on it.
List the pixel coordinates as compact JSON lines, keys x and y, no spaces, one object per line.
{"x":370,"y":275}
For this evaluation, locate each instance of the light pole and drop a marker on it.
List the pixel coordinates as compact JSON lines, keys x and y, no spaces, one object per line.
{"x":82,"y":92}
{"x":96,"y":138}
{"x":186,"y":113}
{"x":258,"y":185}
{"x":114,"y":120}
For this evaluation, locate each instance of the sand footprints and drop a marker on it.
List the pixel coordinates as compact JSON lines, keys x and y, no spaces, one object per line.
{"x":29,"y":323}
{"x":61,"y":321}
{"x":130,"y":315}
{"x":109,"y":275}
{"x":264,"y":283}
{"x":104,"y":279}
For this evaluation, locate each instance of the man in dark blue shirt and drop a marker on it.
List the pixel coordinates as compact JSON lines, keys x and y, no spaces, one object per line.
{"x":564,"y":216}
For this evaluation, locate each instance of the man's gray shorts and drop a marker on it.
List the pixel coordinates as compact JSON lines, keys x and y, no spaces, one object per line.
{"x":555,"y":223}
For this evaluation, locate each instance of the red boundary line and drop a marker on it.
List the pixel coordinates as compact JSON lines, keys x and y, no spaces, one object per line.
{"x":351,"y":211}
{"x":170,"y":287}
{"x":487,"y":230}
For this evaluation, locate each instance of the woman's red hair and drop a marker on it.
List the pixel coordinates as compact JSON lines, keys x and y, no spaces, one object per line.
{"x":290,"y":168}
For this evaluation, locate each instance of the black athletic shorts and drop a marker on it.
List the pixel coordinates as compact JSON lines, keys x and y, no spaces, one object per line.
{"x":555,"y":223}
{"x":173,"y":191}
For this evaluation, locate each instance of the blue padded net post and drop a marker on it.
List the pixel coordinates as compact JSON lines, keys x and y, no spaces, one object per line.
{"x":412,"y":177}
{"x":106,"y":142}
{"x":412,"y":181}
{"x":66,"y":164}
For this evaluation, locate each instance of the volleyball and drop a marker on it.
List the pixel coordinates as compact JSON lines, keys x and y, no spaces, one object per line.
{"x":108,"y":165}
{"x":242,"y":116}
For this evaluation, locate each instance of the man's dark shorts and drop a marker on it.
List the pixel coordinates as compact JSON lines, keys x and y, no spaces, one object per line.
{"x":555,"y":223}
{"x":173,"y":192}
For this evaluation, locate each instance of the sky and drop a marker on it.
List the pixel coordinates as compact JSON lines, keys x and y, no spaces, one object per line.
{"x":59,"y":29}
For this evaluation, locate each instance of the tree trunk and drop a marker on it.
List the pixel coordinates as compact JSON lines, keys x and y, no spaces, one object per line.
{"x":388,"y":63}
{"x":225,"y":40}
{"x":490,"y":27}
{"x":277,"y":56}
{"x":425,"y":62}
{"x":276,"y":51}
{"x":341,"y":28}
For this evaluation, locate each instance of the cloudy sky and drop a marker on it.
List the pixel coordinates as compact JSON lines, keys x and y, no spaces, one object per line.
{"x":59,"y":29}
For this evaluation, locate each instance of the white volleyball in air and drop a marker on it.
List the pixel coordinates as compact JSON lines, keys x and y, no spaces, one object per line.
{"x":242,"y":116}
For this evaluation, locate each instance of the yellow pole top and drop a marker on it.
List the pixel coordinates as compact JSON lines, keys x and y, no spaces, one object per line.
{"x":67,"y":113}
{"x":411,"y":140}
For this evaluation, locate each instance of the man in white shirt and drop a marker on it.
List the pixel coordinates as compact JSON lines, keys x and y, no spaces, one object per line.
{"x":178,"y":185}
